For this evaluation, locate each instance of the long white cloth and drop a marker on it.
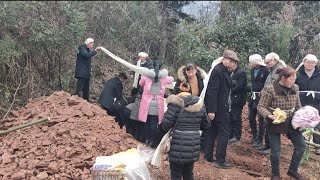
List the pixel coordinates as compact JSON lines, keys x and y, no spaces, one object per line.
{"x":140,"y":70}
{"x":136,"y":76}
{"x":206,"y":79}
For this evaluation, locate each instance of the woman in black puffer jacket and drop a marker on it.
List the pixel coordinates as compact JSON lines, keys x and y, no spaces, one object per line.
{"x":185,"y":144}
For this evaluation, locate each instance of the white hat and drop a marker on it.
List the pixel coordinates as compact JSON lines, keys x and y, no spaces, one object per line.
{"x":143,"y":54}
{"x":310,"y":57}
{"x":88,"y":40}
{"x":271,"y":56}
{"x":256,"y":59}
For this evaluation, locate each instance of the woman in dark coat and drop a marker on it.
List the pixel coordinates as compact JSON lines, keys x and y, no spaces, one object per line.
{"x":308,"y":80}
{"x":283,"y":94}
{"x":185,"y":143}
{"x":192,"y":75}
{"x":259,"y":74}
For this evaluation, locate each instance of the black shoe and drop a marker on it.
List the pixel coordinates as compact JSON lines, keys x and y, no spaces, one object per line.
{"x":261,"y":148}
{"x":295,"y":175}
{"x":253,"y":139}
{"x":275,"y":177}
{"x":224,"y":165}
{"x":233,"y":140}
{"x":257,"y":143}
{"x":265,"y":152}
{"x":210,"y":160}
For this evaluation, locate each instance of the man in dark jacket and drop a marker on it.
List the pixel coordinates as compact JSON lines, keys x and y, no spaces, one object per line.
{"x":259,"y":74}
{"x":218,"y":104}
{"x":238,"y":100}
{"x":308,"y":80}
{"x":112,"y":92}
{"x":273,"y":63}
{"x":185,"y":143}
{"x":83,"y":67}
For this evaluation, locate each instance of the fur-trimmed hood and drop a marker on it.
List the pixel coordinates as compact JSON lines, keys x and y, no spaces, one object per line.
{"x":194,"y":103}
{"x":182,"y":76}
{"x":278,"y":89}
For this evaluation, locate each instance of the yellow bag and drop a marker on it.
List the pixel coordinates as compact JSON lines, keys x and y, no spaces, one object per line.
{"x":280,"y":116}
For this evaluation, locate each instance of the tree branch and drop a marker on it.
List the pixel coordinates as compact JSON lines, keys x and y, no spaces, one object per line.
{"x":14,"y":99}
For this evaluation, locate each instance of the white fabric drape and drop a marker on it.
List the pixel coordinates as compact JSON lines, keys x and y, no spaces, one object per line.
{"x":136,"y":76}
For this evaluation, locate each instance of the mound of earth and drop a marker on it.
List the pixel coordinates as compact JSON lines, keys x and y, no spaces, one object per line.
{"x":65,"y":147}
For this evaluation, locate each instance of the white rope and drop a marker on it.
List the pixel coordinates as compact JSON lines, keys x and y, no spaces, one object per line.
{"x":310,"y":92}
{"x":253,"y":97}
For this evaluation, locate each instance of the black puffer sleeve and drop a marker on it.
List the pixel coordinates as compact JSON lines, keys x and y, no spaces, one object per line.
{"x":170,"y":116}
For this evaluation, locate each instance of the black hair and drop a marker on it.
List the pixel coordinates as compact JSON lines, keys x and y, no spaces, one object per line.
{"x":157,"y":64}
{"x":185,"y":84}
{"x":122,"y":75}
{"x":189,"y":66}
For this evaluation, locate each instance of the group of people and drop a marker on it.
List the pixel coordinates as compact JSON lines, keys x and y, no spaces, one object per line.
{"x":209,"y":103}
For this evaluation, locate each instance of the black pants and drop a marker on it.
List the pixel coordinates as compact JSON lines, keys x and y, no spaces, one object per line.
{"x":151,"y":129}
{"x":236,"y":122}
{"x":139,"y":133}
{"x":262,"y":127}
{"x":83,"y":86}
{"x":179,"y":170}
{"x":219,"y":130}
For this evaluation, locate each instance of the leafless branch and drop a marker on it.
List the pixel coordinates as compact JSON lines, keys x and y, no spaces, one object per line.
{"x":14,"y":99}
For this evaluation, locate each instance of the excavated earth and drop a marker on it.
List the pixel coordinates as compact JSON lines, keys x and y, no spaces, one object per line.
{"x":65,"y":147}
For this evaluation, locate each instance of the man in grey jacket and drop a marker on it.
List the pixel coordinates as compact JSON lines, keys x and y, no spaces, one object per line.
{"x":273,"y":62}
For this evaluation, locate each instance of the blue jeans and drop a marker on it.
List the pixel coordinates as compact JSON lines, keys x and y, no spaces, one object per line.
{"x":299,"y":146}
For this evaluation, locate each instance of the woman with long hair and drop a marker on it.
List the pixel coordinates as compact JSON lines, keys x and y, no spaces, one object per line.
{"x":151,"y":109}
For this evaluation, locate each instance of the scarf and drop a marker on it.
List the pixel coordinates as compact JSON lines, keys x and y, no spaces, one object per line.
{"x":136,"y":76}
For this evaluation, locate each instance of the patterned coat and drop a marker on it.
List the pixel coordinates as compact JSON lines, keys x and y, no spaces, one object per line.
{"x":276,"y":96}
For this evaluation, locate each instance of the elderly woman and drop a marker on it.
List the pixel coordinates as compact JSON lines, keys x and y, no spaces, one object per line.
{"x":193,"y":75}
{"x":308,"y":79}
{"x":259,"y":74}
{"x":283,"y":94}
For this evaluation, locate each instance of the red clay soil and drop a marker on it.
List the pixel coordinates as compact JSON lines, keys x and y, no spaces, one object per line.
{"x":65,"y":147}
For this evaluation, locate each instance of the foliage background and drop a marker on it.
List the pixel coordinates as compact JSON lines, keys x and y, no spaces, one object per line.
{"x":39,"y":40}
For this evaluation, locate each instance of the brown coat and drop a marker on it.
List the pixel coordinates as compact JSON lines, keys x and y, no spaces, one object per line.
{"x":275,"y":96}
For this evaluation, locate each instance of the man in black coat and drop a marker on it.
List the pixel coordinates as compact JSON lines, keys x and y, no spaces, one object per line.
{"x":112,"y":92}
{"x":218,"y":104}
{"x":83,"y":67}
{"x":238,"y":100}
